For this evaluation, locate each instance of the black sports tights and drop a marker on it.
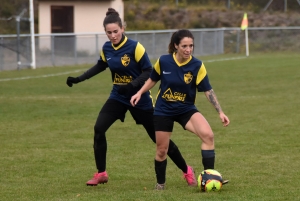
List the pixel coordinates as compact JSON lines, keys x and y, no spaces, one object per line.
{"x":105,"y":120}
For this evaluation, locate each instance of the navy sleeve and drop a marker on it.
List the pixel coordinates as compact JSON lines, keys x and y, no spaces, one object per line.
{"x":145,"y":62}
{"x":154,"y":75}
{"x":96,"y":69}
{"x":204,"y":85}
{"x":140,"y":80}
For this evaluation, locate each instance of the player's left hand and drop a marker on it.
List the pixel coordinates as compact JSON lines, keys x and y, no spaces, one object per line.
{"x":125,"y":89}
{"x":72,"y":80}
{"x":224,"y":119}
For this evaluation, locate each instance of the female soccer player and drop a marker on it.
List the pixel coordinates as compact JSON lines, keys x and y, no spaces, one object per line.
{"x":181,"y":75}
{"x":130,"y":68}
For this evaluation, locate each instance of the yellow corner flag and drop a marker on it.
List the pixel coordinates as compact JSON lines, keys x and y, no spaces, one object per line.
{"x":244,"y":24}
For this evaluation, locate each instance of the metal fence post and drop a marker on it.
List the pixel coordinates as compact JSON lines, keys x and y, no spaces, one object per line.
{"x":222,"y":41}
{"x":97,"y":45}
{"x":216,"y":42}
{"x":1,"y":55}
{"x":168,"y":41}
{"x":52,"y":51}
{"x":28,"y":52}
{"x":238,"y":41}
{"x":75,"y":50}
{"x":18,"y":42}
{"x":201,"y":43}
{"x":153,"y":45}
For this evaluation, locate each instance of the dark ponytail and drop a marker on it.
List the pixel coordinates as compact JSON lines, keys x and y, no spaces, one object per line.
{"x":177,"y":37}
{"x":112,"y":16}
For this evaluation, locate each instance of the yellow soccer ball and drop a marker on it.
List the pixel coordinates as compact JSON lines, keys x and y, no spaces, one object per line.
{"x":210,"y":180}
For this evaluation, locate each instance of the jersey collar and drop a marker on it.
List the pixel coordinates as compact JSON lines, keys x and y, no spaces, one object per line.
{"x":181,"y":64}
{"x":120,"y":44}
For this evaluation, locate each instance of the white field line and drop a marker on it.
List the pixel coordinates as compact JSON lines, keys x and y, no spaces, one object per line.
{"x":76,"y":71}
{"x":225,"y":59}
{"x":41,"y":76}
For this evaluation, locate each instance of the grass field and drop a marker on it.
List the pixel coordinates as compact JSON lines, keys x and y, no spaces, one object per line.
{"x":46,"y":139}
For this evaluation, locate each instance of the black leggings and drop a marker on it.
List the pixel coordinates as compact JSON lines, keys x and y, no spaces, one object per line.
{"x":113,"y":110}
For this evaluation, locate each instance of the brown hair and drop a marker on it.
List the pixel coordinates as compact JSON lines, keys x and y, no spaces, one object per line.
{"x":177,"y":37}
{"x":112,"y":16}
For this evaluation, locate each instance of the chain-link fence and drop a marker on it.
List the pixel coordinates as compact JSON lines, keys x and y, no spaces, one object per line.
{"x":73,"y":49}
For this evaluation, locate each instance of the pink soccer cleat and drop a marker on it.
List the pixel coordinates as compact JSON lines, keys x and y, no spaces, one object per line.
{"x":99,"y":178}
{"x":190,"y":177}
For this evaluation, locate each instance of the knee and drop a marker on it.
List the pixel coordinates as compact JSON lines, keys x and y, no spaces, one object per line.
{"x":161,"y":151}
{"x":99,"y":134}
{"x":208,"y":137}
{"x":97,"y":129}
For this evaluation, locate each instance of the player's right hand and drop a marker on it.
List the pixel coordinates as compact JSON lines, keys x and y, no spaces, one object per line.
{"x":72,"y":80}
{"x":135,"y":99}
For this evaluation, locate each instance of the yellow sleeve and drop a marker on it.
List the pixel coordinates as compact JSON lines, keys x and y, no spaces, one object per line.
{"x":201,"y":74}
{"x":157,"y":67}
{"x":139,"y":51}
{"x":102,"y":56}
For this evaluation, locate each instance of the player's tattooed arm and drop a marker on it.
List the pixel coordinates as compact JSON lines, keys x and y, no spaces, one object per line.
{"x":212,"y":98}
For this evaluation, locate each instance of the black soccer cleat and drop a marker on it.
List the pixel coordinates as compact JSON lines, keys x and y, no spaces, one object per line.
{"x":225,"y":182}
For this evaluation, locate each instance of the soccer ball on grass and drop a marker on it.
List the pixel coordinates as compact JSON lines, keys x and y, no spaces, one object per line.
{"x":210,"y":180}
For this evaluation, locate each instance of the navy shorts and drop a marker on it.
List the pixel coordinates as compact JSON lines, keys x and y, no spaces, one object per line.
{"x":166,"y":123}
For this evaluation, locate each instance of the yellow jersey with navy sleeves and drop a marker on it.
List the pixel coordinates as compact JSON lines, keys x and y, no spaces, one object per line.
{"x":179,"y":84}
{"x":126,"y":62}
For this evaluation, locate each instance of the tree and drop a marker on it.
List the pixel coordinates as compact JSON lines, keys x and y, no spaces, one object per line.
{"x":11,"y":8}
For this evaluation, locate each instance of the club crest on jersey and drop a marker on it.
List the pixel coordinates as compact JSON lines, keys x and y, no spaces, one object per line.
{"x":173,"y":97}
{"x":188,"y":77}
{"x":125,"y":60}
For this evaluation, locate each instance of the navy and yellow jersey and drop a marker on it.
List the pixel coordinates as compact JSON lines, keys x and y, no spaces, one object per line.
{"x":179,"y":84}
{"x":126,"y":62}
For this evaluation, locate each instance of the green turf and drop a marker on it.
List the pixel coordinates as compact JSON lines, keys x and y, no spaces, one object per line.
{"x":46,"y":139}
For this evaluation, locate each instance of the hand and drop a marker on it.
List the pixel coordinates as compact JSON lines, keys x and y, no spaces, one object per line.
{"x":72,"y":80}
{"x":125,"y":89}
{"x":135,"y":99}
{"x":224,"y":119}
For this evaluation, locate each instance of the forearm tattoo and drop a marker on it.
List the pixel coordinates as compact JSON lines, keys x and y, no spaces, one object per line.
{"x":211,"y":96}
